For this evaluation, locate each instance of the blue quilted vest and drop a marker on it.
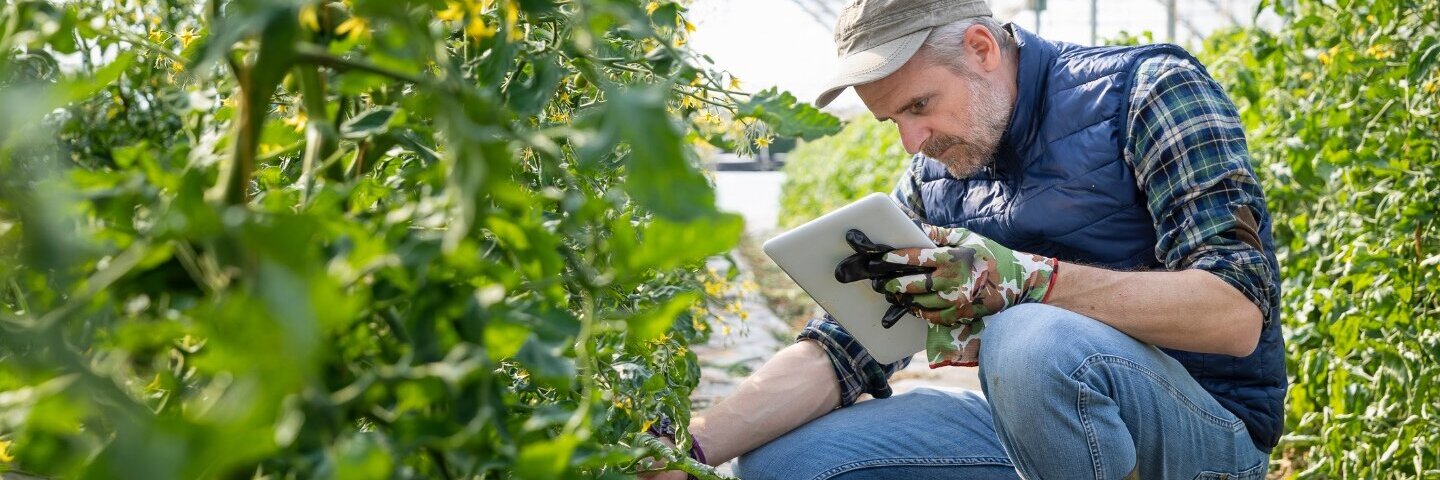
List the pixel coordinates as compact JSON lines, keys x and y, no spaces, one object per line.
{"x":1060,"y":186}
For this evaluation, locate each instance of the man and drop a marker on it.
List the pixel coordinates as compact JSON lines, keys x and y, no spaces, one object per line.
{"x":1101,"y":234}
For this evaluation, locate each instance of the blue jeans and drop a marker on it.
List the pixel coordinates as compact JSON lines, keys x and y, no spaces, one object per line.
{"x":1069,"y":397}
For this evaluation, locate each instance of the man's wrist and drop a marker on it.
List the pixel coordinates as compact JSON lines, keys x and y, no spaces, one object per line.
{"x":1050,"y":282}
{"x":664,"y":429}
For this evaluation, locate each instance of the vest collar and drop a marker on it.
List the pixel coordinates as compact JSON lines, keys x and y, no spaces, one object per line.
{"x":1036,"y":57}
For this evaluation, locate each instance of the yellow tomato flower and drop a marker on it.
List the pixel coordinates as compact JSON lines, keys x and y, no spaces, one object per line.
{"x":353,"y":27}
{"x":734,"y":82}
{"x":707,"y":118}
{"x":5,"y":452}
{"x":297,"y":122}
{"x":512,"y":18}
{"x":714,"y":289}
{"x":454,"y":11}
{"x":764,"y":141}
{"x":478,"y":30}
{"x":651,"y":7}
{"x":310,"y":18}
{"x":157,"y":36}
{"x":186,"y":36}
{"x":1329,"y":55}
{"x":1381,"y":52}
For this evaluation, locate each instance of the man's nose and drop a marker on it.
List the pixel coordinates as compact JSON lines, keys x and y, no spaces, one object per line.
{"x":912,"y":136}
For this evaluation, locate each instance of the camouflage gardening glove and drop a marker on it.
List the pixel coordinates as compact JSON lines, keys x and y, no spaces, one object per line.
{"x":867,"y":263}
{"x":971,"y":277}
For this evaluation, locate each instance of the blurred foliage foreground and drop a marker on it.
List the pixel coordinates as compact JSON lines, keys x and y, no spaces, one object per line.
{"x":1342,"y":107}
{"x":360,"y":239}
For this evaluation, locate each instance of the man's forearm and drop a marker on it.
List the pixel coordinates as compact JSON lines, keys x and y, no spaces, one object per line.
{"x":1191,"y":310}
{"x":796,"y":386}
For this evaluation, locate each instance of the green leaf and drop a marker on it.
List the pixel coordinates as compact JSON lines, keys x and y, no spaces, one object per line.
{"x":545,"y":459}
{"x":374,"y":121}
{"x":666,"y":244}
{"x":653,"y":323}
{"x":658,"y":175}
{"x":1424,"y":58}
{"x":788,"y":117}
{"x":545,"y":363}
{"x":530,"y":96}
{"x":81,"y":88}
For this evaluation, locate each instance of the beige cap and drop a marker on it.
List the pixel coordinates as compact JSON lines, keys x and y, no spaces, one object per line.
{"x":874,"y":38}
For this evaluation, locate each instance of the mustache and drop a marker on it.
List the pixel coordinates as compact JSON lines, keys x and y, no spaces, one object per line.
{"x":937,"y":145}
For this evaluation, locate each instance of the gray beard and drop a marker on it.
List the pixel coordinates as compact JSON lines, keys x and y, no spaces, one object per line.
{"x":992,"y":116}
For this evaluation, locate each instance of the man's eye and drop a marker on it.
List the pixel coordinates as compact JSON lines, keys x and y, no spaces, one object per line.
{"x":915,"y":107}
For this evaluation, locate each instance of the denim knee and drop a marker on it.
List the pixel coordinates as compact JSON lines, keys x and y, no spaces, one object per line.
{"x":1030,"y":345}
{"x":775,"y":460}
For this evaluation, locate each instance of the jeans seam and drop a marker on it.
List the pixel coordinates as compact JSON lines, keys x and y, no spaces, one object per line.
{"x":1175,"y":393}
{"x":1257,"y":471}
{"x":1082,"y":404}
{"x":912,"y":461}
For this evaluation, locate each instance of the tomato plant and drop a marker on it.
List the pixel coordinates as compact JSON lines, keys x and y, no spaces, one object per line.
{"x":1342,"y":109}
{"x":358,"y":239}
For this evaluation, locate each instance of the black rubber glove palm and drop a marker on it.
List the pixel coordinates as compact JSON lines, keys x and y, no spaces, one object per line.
{"x":866,"y":263}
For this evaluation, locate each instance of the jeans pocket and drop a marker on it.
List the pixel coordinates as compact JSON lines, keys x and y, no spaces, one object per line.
{"x":1256,"y":472}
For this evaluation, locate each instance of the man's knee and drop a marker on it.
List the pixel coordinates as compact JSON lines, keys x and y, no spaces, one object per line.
{"x":1029,"y":345}
{"x":779,"y":459}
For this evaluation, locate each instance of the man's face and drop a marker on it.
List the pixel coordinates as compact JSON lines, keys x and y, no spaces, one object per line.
{"x":954,"y":117}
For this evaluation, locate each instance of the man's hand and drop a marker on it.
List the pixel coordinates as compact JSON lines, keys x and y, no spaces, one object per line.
{"x":967,"y":276}
{"x":868,"y":263}
{"x":973,"y":276}
{"x":665,"y":475}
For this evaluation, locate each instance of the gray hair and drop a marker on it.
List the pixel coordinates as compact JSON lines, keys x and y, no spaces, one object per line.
{"x":945,"y":44}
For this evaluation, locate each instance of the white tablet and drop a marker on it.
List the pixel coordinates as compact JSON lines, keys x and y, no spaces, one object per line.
{"x":810,"y":252}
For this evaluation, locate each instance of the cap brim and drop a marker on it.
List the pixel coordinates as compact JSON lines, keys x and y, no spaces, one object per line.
{"x":866,"y":66}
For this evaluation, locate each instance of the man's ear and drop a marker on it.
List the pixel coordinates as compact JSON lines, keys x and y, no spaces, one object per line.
{"x":983,"y":48}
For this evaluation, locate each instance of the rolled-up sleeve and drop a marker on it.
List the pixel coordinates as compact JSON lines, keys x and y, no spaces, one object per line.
{"x":1187,"y":149}
{"x":856,"y":370}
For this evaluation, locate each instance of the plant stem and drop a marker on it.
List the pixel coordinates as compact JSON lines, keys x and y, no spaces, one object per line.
{"x":318,"y":56}
{"x":321,"y":138}
{"x":247,"y":135}
{"x":585,"y":364}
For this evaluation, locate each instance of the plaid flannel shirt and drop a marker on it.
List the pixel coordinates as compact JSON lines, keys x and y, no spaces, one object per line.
{"x":1187,"y":148}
